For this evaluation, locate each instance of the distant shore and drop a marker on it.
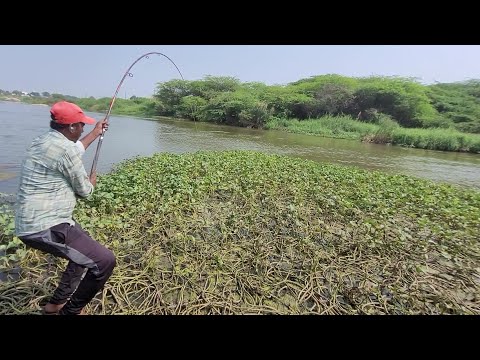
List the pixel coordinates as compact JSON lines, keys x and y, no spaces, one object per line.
{"x":10,"y":99}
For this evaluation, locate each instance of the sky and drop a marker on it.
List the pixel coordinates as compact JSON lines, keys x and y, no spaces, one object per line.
{"x":96,"y":70}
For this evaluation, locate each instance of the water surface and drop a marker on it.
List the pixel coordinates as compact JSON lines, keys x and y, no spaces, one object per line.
{"x":129,"y":137}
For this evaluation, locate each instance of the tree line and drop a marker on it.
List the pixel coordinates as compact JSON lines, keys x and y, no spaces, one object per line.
{"x":226,"y":100}
{"x":371,"y":99}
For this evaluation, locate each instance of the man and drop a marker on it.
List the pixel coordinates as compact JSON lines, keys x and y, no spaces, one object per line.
{"x":52,"y":178}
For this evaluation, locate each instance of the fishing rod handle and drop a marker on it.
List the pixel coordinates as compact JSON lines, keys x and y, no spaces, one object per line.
{"x":97,"y":153}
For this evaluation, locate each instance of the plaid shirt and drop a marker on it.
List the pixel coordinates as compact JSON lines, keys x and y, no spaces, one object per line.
{"x":52,"y":176}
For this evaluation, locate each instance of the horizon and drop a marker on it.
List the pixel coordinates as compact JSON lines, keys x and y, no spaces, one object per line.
{"x":83,"y":71}
{"x":151,"y":96}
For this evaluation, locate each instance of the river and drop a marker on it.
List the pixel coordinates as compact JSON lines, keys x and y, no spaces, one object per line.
{"x":128,"y":137}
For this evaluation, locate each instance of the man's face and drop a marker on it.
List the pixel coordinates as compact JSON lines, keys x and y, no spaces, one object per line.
{"x":78,"y":130}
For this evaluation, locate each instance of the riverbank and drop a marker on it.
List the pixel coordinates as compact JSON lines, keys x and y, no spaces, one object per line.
{"x":386,"y":132}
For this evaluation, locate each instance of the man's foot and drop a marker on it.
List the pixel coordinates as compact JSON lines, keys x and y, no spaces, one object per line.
{"x":52,"y":309}
{"x":82,"y":312}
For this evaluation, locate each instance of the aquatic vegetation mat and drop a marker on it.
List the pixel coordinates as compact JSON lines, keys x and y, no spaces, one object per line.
{"x":241,"y":232}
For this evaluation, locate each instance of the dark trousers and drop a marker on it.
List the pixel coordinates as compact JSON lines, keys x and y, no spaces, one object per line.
{"x":74,"y":244}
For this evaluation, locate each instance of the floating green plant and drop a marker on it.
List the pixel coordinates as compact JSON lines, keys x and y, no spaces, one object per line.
{"x":241,"y":232}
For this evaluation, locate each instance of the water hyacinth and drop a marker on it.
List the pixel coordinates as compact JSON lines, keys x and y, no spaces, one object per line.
{"x":240,"y":232}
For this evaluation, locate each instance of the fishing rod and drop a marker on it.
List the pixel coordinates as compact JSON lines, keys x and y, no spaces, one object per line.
{"x":127,"y":73}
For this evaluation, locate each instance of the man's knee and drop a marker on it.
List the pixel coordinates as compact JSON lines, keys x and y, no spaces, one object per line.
{"x":109,"y":261}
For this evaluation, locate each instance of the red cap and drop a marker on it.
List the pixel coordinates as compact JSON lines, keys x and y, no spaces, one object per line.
{"x":68,"y":113}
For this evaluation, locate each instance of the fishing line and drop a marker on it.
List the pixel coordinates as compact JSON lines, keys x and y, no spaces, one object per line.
{"x":129,"y":74}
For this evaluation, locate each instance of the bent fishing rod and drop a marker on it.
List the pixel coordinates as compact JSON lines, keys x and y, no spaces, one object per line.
{"x":127,"y":73}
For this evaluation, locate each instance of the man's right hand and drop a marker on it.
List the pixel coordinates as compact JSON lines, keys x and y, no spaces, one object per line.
{"x":100,"y":126}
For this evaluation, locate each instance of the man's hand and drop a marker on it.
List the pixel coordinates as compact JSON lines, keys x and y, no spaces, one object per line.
{"x":93,"y":178}
{"x":99,"y":126}
{"x":95,"y":133}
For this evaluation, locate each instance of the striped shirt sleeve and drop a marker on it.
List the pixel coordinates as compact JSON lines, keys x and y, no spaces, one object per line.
{"x":71,"y":166}
{"x":80,"y":147}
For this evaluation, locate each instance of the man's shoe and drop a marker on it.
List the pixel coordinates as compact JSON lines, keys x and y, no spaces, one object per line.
{"x":52,"y":309}
{"x":82,"y":312}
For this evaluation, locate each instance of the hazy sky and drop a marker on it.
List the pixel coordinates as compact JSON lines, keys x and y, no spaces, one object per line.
{"x":96,"y":70}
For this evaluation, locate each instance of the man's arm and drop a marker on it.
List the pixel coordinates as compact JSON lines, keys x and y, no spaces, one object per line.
{"x":71,"y":166}
{"x":96,"y":132}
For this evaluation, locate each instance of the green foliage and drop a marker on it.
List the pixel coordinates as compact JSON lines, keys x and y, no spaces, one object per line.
{"x":471,"y":127}
{"x":230,"y":214}
{"x":12,"y":248}
{"x":170,"y":95}
{"x":402,"y":99}
{"x":147,"y":107}
{"x":458,"y":102}
{"x":242,"y":232}
{"x":437,"y":139}
{"x":384,"y":134}
{"x":211,"y":86}
{"x":343,"y":127}
{"x":311,"y":85}
{"x":192,"y":107}
{"x":287,"y":102}
{"x":329,"y":95}
{"x":239,"y":108}
{"x":335,"y":99}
